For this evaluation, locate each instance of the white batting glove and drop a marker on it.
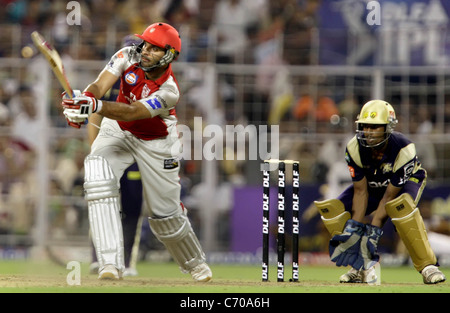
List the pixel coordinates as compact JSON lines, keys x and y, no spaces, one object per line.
{"x":78,"y":109}
{"x":76,"y":93}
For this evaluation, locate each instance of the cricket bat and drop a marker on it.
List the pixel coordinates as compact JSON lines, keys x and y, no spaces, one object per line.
{"x":54,"y":61}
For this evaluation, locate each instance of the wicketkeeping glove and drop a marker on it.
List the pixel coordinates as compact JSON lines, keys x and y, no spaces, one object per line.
{"x":345,"y":248}
{"x":369,"y":245}
{"x":79,"y":108}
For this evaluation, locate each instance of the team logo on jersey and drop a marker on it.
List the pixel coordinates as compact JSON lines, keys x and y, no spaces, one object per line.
{"x":145,"y":91}
{"x":386,"y":167}
{"x":131,"y":78}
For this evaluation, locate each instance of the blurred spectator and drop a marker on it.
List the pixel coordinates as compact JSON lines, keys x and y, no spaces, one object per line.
{"x":70,"y":165}
{"x":326,"y":108}
{"x":349,"y":109}
{"x":421,"y":125}
{"x":447,"y":116}
{"x":322,"y":111}
{"x":4,"y":111}
{"x":281,"y":96}
{"x":20,"y":155}
{"x":304,"y":107}
{"x":25,"y":124}
{"x":139,"y":13}
{"x":231,"y":19}
{"x":18,"y":184}
{"x":299,"y":21}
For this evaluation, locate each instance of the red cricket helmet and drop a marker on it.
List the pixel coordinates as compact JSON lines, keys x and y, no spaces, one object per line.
{"x":162,"y":35}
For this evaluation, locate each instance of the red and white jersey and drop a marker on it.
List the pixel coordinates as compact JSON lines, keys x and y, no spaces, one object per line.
{"x":159,"y":96}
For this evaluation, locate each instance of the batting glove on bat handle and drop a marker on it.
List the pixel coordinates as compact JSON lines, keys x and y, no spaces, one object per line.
{"x":78,"y":109}
{"x":64,"y":95}
{"x":85,"y":104}
{"x":76,"y":93}
{"x":74,"y":125}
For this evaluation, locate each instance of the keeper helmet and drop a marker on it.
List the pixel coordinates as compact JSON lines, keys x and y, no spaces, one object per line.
{"x":375,"y":112}
{"x":164,"y":36}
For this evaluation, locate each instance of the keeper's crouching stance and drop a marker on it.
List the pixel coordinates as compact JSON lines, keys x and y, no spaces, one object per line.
{"x":388,"y":181}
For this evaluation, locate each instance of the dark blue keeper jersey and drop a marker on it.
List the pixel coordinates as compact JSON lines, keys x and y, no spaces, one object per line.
{"x":398,"y":164}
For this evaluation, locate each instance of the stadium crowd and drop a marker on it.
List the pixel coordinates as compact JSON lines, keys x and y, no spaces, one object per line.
{"x":226,"y":32}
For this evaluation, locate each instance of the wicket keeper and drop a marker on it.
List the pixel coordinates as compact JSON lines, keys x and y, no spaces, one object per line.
{"x":388,"y":181}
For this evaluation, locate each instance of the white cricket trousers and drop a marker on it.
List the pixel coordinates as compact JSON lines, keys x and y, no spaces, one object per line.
{"x":158,"y":162}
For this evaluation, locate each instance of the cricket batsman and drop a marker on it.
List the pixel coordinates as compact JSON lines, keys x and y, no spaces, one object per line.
{"x":388,"y":181}
{"x":139,"y":127}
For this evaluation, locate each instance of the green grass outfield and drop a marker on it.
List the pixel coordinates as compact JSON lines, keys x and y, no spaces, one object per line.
{"x":32,"y":277}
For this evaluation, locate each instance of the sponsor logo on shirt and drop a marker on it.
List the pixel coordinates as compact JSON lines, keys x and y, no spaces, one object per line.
{"x":352,"y":171}
{"x":170,"y":164}
{"x":131,"y":78}
{"x":145,"y":91}
{"x":154,"y":103}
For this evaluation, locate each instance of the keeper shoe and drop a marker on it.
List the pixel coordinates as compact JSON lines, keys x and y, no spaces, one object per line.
{"x":352,"y":276}
{"x":432,"y":275}
{"x":359,"y":276}
{"x":109,"y":272}
{"x":201,"y":273}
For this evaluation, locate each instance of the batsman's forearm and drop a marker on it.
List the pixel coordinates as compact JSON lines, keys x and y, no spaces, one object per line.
{"x":123,"y":112}
{"x":95,"y":90}
{"x":92,"y":128}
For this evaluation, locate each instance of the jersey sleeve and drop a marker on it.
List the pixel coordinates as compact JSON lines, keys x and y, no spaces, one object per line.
{"x":404,"y":166}
{"x":353,"y":159}
{"x":119,"y":62}
{"x":163,"y":100}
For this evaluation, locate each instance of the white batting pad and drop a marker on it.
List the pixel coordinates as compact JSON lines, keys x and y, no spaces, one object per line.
{"x":176,"y":233}
{"x":102,"y":193}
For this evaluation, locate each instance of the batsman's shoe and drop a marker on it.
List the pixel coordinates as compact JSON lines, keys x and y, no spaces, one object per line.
{"x":201,"y":273}
{"x":109,"y":272}
{"x":93,"y":268}
{"x":353,"y":276}
{"x":432,"y":275}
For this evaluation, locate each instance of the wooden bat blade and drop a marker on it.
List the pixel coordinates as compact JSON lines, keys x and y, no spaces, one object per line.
{"x":53,"y":59}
